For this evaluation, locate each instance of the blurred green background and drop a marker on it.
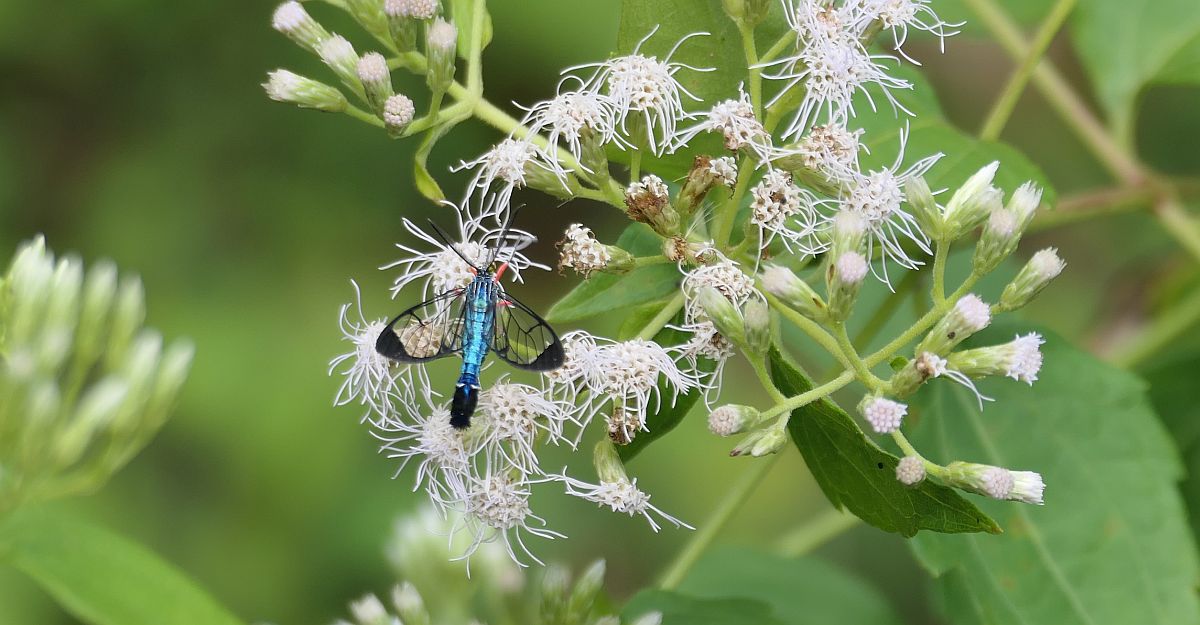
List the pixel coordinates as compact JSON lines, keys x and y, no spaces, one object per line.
{"x":138,"y":131}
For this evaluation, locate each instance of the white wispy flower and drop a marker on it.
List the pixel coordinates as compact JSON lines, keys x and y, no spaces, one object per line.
{"x":832,"y":150}
{"x":936,"y":367}
{"x":565,"y":118}
{"x":832,"y":64}
{"x":644,"y":88}
{"x":442,"y":269}
{"x":621,"y":496}
{"x":497,"y":510}
{"x":420,"y":430}
{"x":877,"y":197}
{"x":1025,"y":359}
{"x":725,"y":170}
{"x":504,"y":168}
{"x":628,"y":372}
{"x":579,"y":250}
{"x":736,"y":122}
{"x":899,"y":16}
{"x":366,"y":374}
{"x":780,"y":208}
{"x":705,"y":340}
{"x":515,"y":418}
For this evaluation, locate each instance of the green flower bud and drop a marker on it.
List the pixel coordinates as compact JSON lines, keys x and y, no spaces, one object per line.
{"x":849,"y":232}
{"x":376,"y":79}
{"x":844,"y":276}
{"x":971,"y":204}
{"x":747,"y":12}
{"x":1041,"y":269}
{"x":409,"y":605}
{"x":910,"y":471}
{"x":587,"y":588}
{"x":649,"y":202}
{"x":556,"y":584}
{"x":756,"y":317}
{"x":924,"y":207}
{"x":607,"y":462}
{"x":404,"y":19}
{"x":782,"y":283}
{"x":285,"y":86}
{"x":398,"y":113}
{"x":723,"y":314}
{"x":732,"y":419}
{"x":995,"y":482}
{"x":759,"y":443}
{"x":913,"y":374}
{"x":369,"y":610}
{"x":292,"y":20}
{"x":968,"y":316}
{"x":369,"y":14}
{"x":339,"y":55}
{"x":441,"y":40}
{"x":649,"y":618}
{"x":700,"y":180}
{"x":1020,"y":359}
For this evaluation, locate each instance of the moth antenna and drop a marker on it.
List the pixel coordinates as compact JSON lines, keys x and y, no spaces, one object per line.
{"x":512,"y":216}
{"x":441,"y":235}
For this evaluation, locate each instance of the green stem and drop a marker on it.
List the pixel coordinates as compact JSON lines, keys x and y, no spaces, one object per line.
{"x":750,"y":49}
{"x":922,"y":325}
{"x":728,"y":214}
{"x":1003,"y":108}
{"x":764,"y":377}
{"x":663,"y":317}
{"x":810,"y":396}
{"x":363,"y":116}
{"x":938,"y":293}
{"x":475,"y":51}
{"x":1092,"y":204}
{"x":1161,"y":332}
{"x":870,"y":380}
{"x":787,"y":39}
{"x":646,"y":261}
{"x":733,"y":500}
{"x":635,"y":165}
{"x":885,"y":311}
{"x":816,"y":532}
{"x":1179,"y":224}
{"x":809,"y":327}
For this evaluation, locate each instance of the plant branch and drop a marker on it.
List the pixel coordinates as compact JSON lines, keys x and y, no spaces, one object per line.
{"x":663,"y":317}
{"x":1160,"y":332}
{"x":923,"y":324}
{"x":816,"y":532}
{"x":1007,"y":101}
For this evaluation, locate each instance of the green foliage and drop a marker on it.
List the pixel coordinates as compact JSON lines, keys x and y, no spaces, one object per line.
{"x":1111,"y":546}
{"x":607,"y":292}
{"x":1129,"y":44}
{"x":680,"y":609}
{"x":1173,"y":392}
{"x":463,"y":13}
{"x":670,"y":413}
{"x":799,"y":591}
{"x":856,"y":474}
{"x":102,"y":578}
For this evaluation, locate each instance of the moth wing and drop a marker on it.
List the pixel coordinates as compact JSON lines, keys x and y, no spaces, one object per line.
{"x":427,"y":331}
{"x":523,"y":339}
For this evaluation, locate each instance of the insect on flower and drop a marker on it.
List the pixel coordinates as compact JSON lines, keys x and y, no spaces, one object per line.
{"x":471,"y":321}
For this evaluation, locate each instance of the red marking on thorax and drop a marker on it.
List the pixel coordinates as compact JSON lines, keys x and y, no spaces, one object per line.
{"x":500,"y":271}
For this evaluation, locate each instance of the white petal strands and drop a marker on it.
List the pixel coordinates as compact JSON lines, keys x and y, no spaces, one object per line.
{"x":504,"y":168}
{"x":497,"y":510}
{"x":644,"y":88}
{"x":736,"y":122}
{"x":421,"y":430}
{"x":899,"y":16}
{"x":515,"y":418}
{"x":621,"y":496}
{"x":366,"y":375}
{"x":781,"y":209}
{"x":831,"y":150}
{"x":567,"y":117}
{"x":442,"y":269}
{"x":877,"y":197}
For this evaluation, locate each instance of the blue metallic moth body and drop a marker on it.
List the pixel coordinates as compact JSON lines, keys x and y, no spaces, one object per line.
{"x":472,"y":321}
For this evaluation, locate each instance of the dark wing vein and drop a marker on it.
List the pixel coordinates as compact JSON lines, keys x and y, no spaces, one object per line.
{"x":427,"y":331}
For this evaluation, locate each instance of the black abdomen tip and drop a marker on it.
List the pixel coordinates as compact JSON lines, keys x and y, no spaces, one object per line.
{"x":460,"y":421}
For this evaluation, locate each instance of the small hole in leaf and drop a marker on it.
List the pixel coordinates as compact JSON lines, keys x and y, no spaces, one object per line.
{"x":879,"y":464}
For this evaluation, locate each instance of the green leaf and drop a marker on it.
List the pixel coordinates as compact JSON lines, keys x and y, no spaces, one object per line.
{"x":604,"y":293}
{"x":424,"y":181}
{"x":103,"y":578}
{"x":463,"y":13}
{"x":637,"y":319}
{"x":1173,"y":392}
{"x":855,"y":473}
{"x":1111,"y":545}
{"x":1126,"y":45}
{"x":799,"y":591}
{"x":669,"y":414}
{"x":680,"y":609}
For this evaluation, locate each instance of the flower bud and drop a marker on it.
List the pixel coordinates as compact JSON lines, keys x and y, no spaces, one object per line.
{"x":1019,"y":359}
{"x":440,"y":42}
{"x":843,"y":278}
{"x":369,"y":14}
{"x":556,"y":583}
{"x":369,"y":610}
{"x":782,"y":283}
{"x":910,"y":471}
{"x":398,"y":113}
{"x":883,"y":414}
{"x":583,"y":596}
{"x":762,"y":442}
{"x":649,"y":202}
{"x":924,"y":207}
{"x":756,"y":317}
{"x":968,"y":316}
{"x":339,"y":55}
{"x":579,"y":250}
{"x":1024,"y":203}
{"x":732,"y":419}
{"x":376,"y":80}
{"x":971,"y":204}
{"x":409,"y":605}
{"x":746,"y":12}
{"x":995,"y":482}
{"x":677,"y":249}
{"x":909,"y":378}
{"x":1043,"y":267}
{"x":404,"y":18}
{"x":722,"y":313}
{"x":998,"y":240}
{"x":849,"y":232}
{"x":284,"y":86}
{"x":292,"y":20}
{"x":700,"y":180}
{"x":607,"y":462}
{"x":649,"y":618}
